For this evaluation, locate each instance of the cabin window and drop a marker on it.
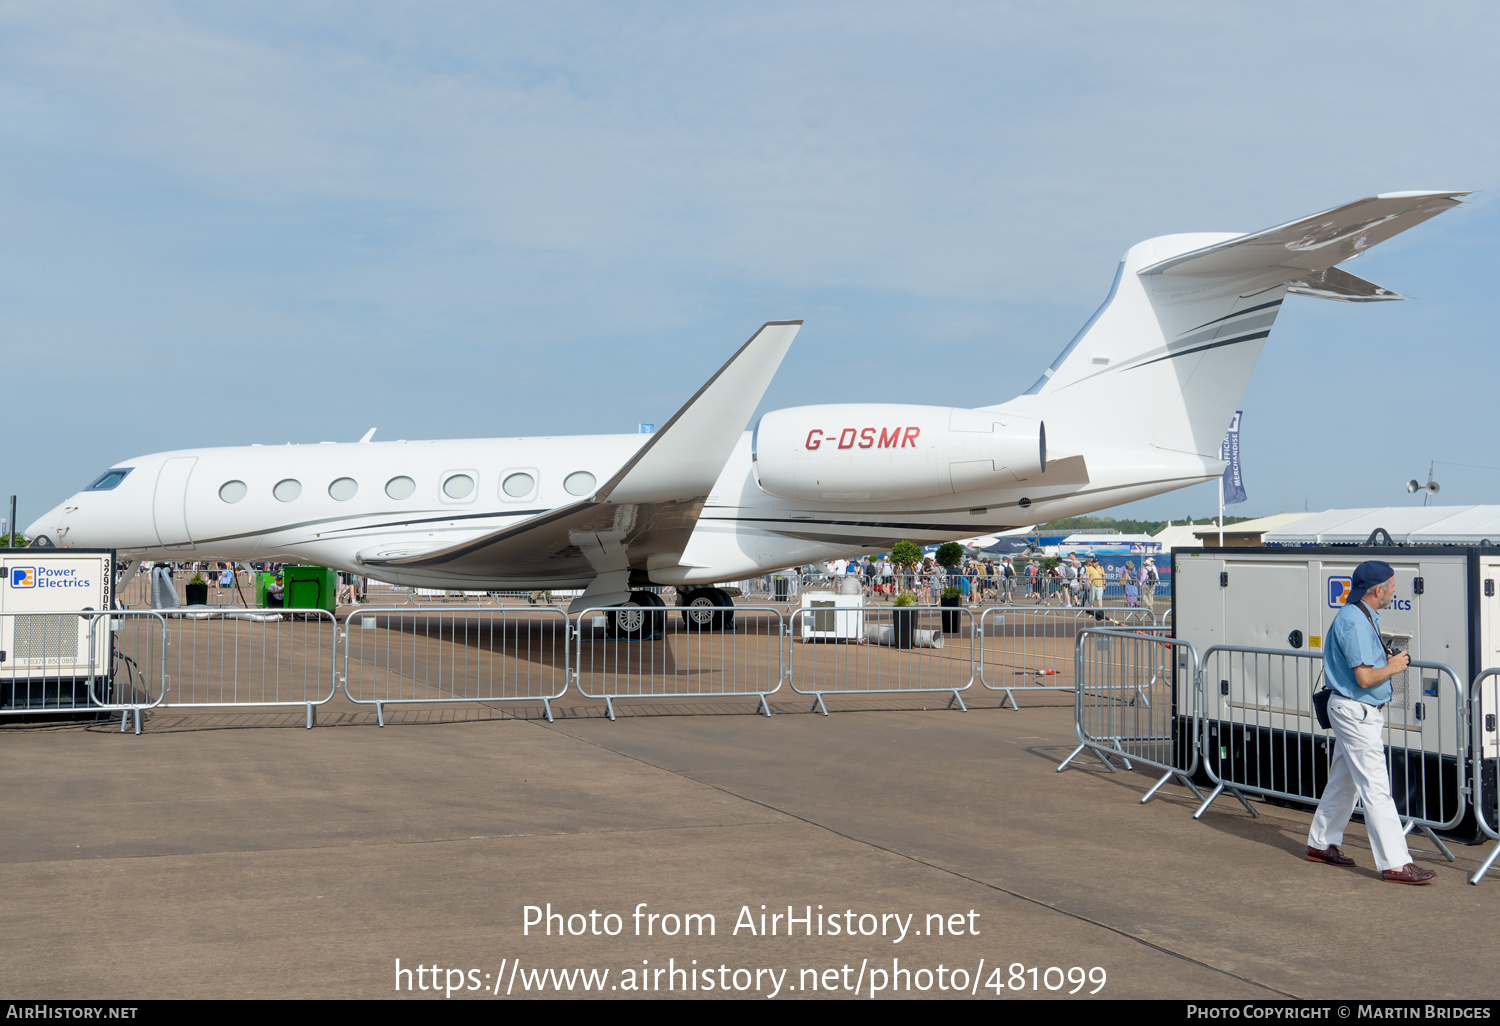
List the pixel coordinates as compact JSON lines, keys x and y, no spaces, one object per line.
{"x":287,"y":489}
{"x":109,"y":479}
{"x":518,"y":486}
{"x":400,"y":487}
{"x":580,"y":482}
{"x":343,"y":489}
{"x":459,"y":486}
{"x":233,"y":491}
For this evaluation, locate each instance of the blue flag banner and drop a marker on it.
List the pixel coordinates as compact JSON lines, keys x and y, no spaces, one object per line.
{"x":1229,"y":450}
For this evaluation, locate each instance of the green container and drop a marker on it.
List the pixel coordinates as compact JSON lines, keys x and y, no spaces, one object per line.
{"x":310,"y":587}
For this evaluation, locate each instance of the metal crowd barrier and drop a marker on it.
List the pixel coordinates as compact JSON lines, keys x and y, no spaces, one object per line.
{"x":457,"y":654}
{"x":882,"y":651}
{"x":717,"y":651}
{"x":250,"y":658}
{"x":1260,"y":735}
{"x":1484,"y":747}
{"x":1135,"y":696}
{"x":1032,"y":648}
{"x":88,"y":662}
{"x":770,"y":588}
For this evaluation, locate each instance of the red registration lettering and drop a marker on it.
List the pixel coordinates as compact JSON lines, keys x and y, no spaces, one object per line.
{"x":911,"y":437}
{"x":889,"y":439}
{"x":846,"y":438}
{"x":867,"y":438}
{"x":812,"y":443}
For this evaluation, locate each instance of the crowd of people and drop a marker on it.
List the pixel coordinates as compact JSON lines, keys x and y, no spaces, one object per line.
{"x":1069,"y":580}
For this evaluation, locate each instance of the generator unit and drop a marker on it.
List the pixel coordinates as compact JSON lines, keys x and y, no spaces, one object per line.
{"x":53,"y":655}
{"x":1258,"y":722}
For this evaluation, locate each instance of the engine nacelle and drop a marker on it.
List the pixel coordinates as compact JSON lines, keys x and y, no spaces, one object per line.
{"x":878,"y":451}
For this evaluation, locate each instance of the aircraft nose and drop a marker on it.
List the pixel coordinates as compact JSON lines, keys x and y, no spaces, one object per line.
{"x":48,"y":525}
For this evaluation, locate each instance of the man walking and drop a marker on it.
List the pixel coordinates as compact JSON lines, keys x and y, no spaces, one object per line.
{"x":1358,"y":670}
{"x":1149,"y":581}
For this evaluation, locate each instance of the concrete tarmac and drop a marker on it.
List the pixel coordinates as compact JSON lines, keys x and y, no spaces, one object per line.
{"x":239,"y":855}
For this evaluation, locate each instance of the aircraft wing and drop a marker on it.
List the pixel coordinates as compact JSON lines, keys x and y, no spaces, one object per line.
{"x":1314,"y":243}
{"x":643,"y":516}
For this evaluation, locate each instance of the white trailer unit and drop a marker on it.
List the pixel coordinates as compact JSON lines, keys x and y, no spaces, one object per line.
{"x":51,"y":657}
{"x":833,"y":617}
{"x":1257,"y":717}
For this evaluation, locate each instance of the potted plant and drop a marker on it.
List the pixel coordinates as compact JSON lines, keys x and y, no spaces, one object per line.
{"x":950,"y":600}
{"x":903,"y":619}
{"x":197,"y":591}
{"x":904,"y":556}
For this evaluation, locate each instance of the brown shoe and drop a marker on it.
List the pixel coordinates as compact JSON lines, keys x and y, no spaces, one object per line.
{"x":1408,"y":874}
{"x":1331,"y":855}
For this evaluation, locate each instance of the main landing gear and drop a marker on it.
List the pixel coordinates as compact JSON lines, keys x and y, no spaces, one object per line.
{"x":699,"y":614}
{"x":643,"y":617}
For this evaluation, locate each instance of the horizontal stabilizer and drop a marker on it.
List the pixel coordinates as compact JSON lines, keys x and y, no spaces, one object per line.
{"x":1316,"y":242}
{"x":1332,"y":283}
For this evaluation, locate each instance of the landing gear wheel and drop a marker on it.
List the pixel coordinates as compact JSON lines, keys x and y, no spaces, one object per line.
{"x":700,"y":614}
{"x":642,"y":618}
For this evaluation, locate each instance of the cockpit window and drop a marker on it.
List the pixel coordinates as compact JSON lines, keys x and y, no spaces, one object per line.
{"x":109,"y":479}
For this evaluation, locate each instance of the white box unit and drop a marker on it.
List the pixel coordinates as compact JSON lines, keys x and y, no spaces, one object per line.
{"x":50,"y":655}
{"x":830,"y":617}
{"x":1258,"y":714}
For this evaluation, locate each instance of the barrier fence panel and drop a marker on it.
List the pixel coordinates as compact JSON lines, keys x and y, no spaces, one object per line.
{"x":702,"y":651}
{"x":1135,"y":696}
{"x":85,"y":662}
{"x":882,"y":650}
{"x":983,"y":589}
{"x":1026,"y":648}
{"x":771,"y":588}
{"x":457,"y":654}
{"x":249,"y":658}
{"x":1260,"y":735}
{"x":1484,"y":748}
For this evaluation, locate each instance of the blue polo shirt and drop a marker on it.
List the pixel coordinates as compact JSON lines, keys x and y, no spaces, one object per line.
{"x":1353,"y":642}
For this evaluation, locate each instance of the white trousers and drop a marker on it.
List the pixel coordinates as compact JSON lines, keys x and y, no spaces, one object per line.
{"x":1358,"y":770}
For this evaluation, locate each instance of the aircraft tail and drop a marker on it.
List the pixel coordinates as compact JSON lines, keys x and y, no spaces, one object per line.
{"x":1185,"y":320}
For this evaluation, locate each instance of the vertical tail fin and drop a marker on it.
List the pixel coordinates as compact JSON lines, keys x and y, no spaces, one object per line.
{"x":1187,"y":316}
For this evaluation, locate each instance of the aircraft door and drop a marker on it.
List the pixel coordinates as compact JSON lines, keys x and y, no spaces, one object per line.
{"x":169,"y":508}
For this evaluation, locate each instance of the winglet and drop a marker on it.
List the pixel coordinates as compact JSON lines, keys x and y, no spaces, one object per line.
{"x":686,"y":456}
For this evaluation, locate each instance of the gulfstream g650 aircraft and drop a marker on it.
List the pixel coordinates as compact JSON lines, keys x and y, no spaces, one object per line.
{"x":704,"y":500}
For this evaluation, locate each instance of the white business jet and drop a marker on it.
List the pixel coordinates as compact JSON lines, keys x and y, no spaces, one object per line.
{"x":704,"y":501}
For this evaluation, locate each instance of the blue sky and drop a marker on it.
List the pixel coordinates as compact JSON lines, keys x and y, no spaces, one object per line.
{"x":224,"y":223}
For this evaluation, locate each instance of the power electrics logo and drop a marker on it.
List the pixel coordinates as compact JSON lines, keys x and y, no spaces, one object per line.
{"x":1338,"y":591}
{"x":1338,"y":594}
{"x":23,"y":577}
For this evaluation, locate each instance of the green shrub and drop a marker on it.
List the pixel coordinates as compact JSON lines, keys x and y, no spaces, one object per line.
{"x":949,"y":554}
{"x":905,"y":554}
